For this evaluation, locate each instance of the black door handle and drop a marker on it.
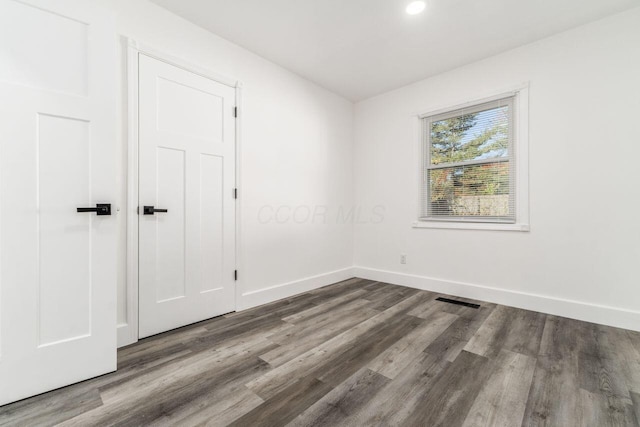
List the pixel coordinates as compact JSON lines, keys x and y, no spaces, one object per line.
{"x":150,"y":210}
{"x":100,"y":209}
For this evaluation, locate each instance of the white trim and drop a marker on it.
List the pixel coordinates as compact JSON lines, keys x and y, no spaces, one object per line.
{"x":181,"y":63}
{"x":520,"y":158}
{"x":127,"y":335}
{"x":285,"y":290}
{"x":489,"y":103}
{"x":481,"y":98}
{"x":596,"y":313}
{"x":239,"y":281}
{"x":496,"y":226}
{"x":128,"y":332}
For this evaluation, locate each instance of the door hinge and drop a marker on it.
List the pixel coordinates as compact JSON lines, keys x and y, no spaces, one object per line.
{"x":235,"y":193}
{"x":235,"y":275}
{"x":235,"y":111}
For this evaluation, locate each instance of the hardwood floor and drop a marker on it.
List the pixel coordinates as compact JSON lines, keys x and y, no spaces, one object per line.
{"x":361,"y":353}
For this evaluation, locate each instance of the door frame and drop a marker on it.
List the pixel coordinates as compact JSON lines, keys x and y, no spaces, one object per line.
{"x":128,"y":332}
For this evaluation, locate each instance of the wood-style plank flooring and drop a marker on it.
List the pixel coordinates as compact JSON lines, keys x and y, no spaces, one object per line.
{"x":361,"y":353}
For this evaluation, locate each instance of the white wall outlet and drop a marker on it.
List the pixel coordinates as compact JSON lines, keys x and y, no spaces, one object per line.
{"x":403,"y":259}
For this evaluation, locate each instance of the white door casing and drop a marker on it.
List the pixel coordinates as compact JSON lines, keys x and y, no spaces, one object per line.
{"x":57,"y":153}
{"x":186,"y":166}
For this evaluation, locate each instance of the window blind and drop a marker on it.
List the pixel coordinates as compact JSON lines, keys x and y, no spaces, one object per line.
{"x":469,"y":170}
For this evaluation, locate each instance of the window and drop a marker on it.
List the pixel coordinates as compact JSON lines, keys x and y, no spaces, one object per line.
{"x":470,"y":168}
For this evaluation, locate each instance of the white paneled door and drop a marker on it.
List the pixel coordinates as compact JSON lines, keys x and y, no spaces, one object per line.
{"x":57,"y":154}
{"x":186,"y":197}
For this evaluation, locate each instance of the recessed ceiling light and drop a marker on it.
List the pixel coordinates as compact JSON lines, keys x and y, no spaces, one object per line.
{"x":416,"y":7}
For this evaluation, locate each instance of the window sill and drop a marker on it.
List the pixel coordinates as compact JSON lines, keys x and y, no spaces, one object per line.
{"x":471,"y":226}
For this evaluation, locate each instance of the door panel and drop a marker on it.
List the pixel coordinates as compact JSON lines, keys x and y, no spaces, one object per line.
{"x":170,"y":229}
{"x":63,"y":182}
{"x":193,"y":115}
{"x":57,"y":153}
{"x":212,"y":223}
{"x":187,"y":166}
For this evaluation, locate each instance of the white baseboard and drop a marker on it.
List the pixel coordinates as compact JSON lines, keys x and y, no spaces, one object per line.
{"x":604,"y":315}
{"x":601,"y":314}
{"x":126,"y":335}
{"x":285,"y":290}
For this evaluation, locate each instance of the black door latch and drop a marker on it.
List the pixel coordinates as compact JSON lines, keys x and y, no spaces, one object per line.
{"x":100,"y":209}
{"x":150,"y":210}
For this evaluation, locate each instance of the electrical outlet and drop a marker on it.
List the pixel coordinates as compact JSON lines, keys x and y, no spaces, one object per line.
{"x":403,"y":259}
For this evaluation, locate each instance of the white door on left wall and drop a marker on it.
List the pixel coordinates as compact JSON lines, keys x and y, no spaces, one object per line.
{"x":57,"y":154}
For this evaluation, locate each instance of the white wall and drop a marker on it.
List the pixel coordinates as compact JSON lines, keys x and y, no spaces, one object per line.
{"x":298,"y":153}
{"x":581,"y":257}
{"x":296,"y":150}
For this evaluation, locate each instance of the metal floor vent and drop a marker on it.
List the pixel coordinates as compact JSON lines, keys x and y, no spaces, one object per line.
{"x":452,"y":301}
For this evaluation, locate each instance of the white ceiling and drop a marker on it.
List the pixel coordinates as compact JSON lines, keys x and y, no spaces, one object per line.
{"x":360,"y":48}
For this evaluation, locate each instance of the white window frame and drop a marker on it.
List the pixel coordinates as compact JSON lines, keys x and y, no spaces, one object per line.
{"x":520,"y":159}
